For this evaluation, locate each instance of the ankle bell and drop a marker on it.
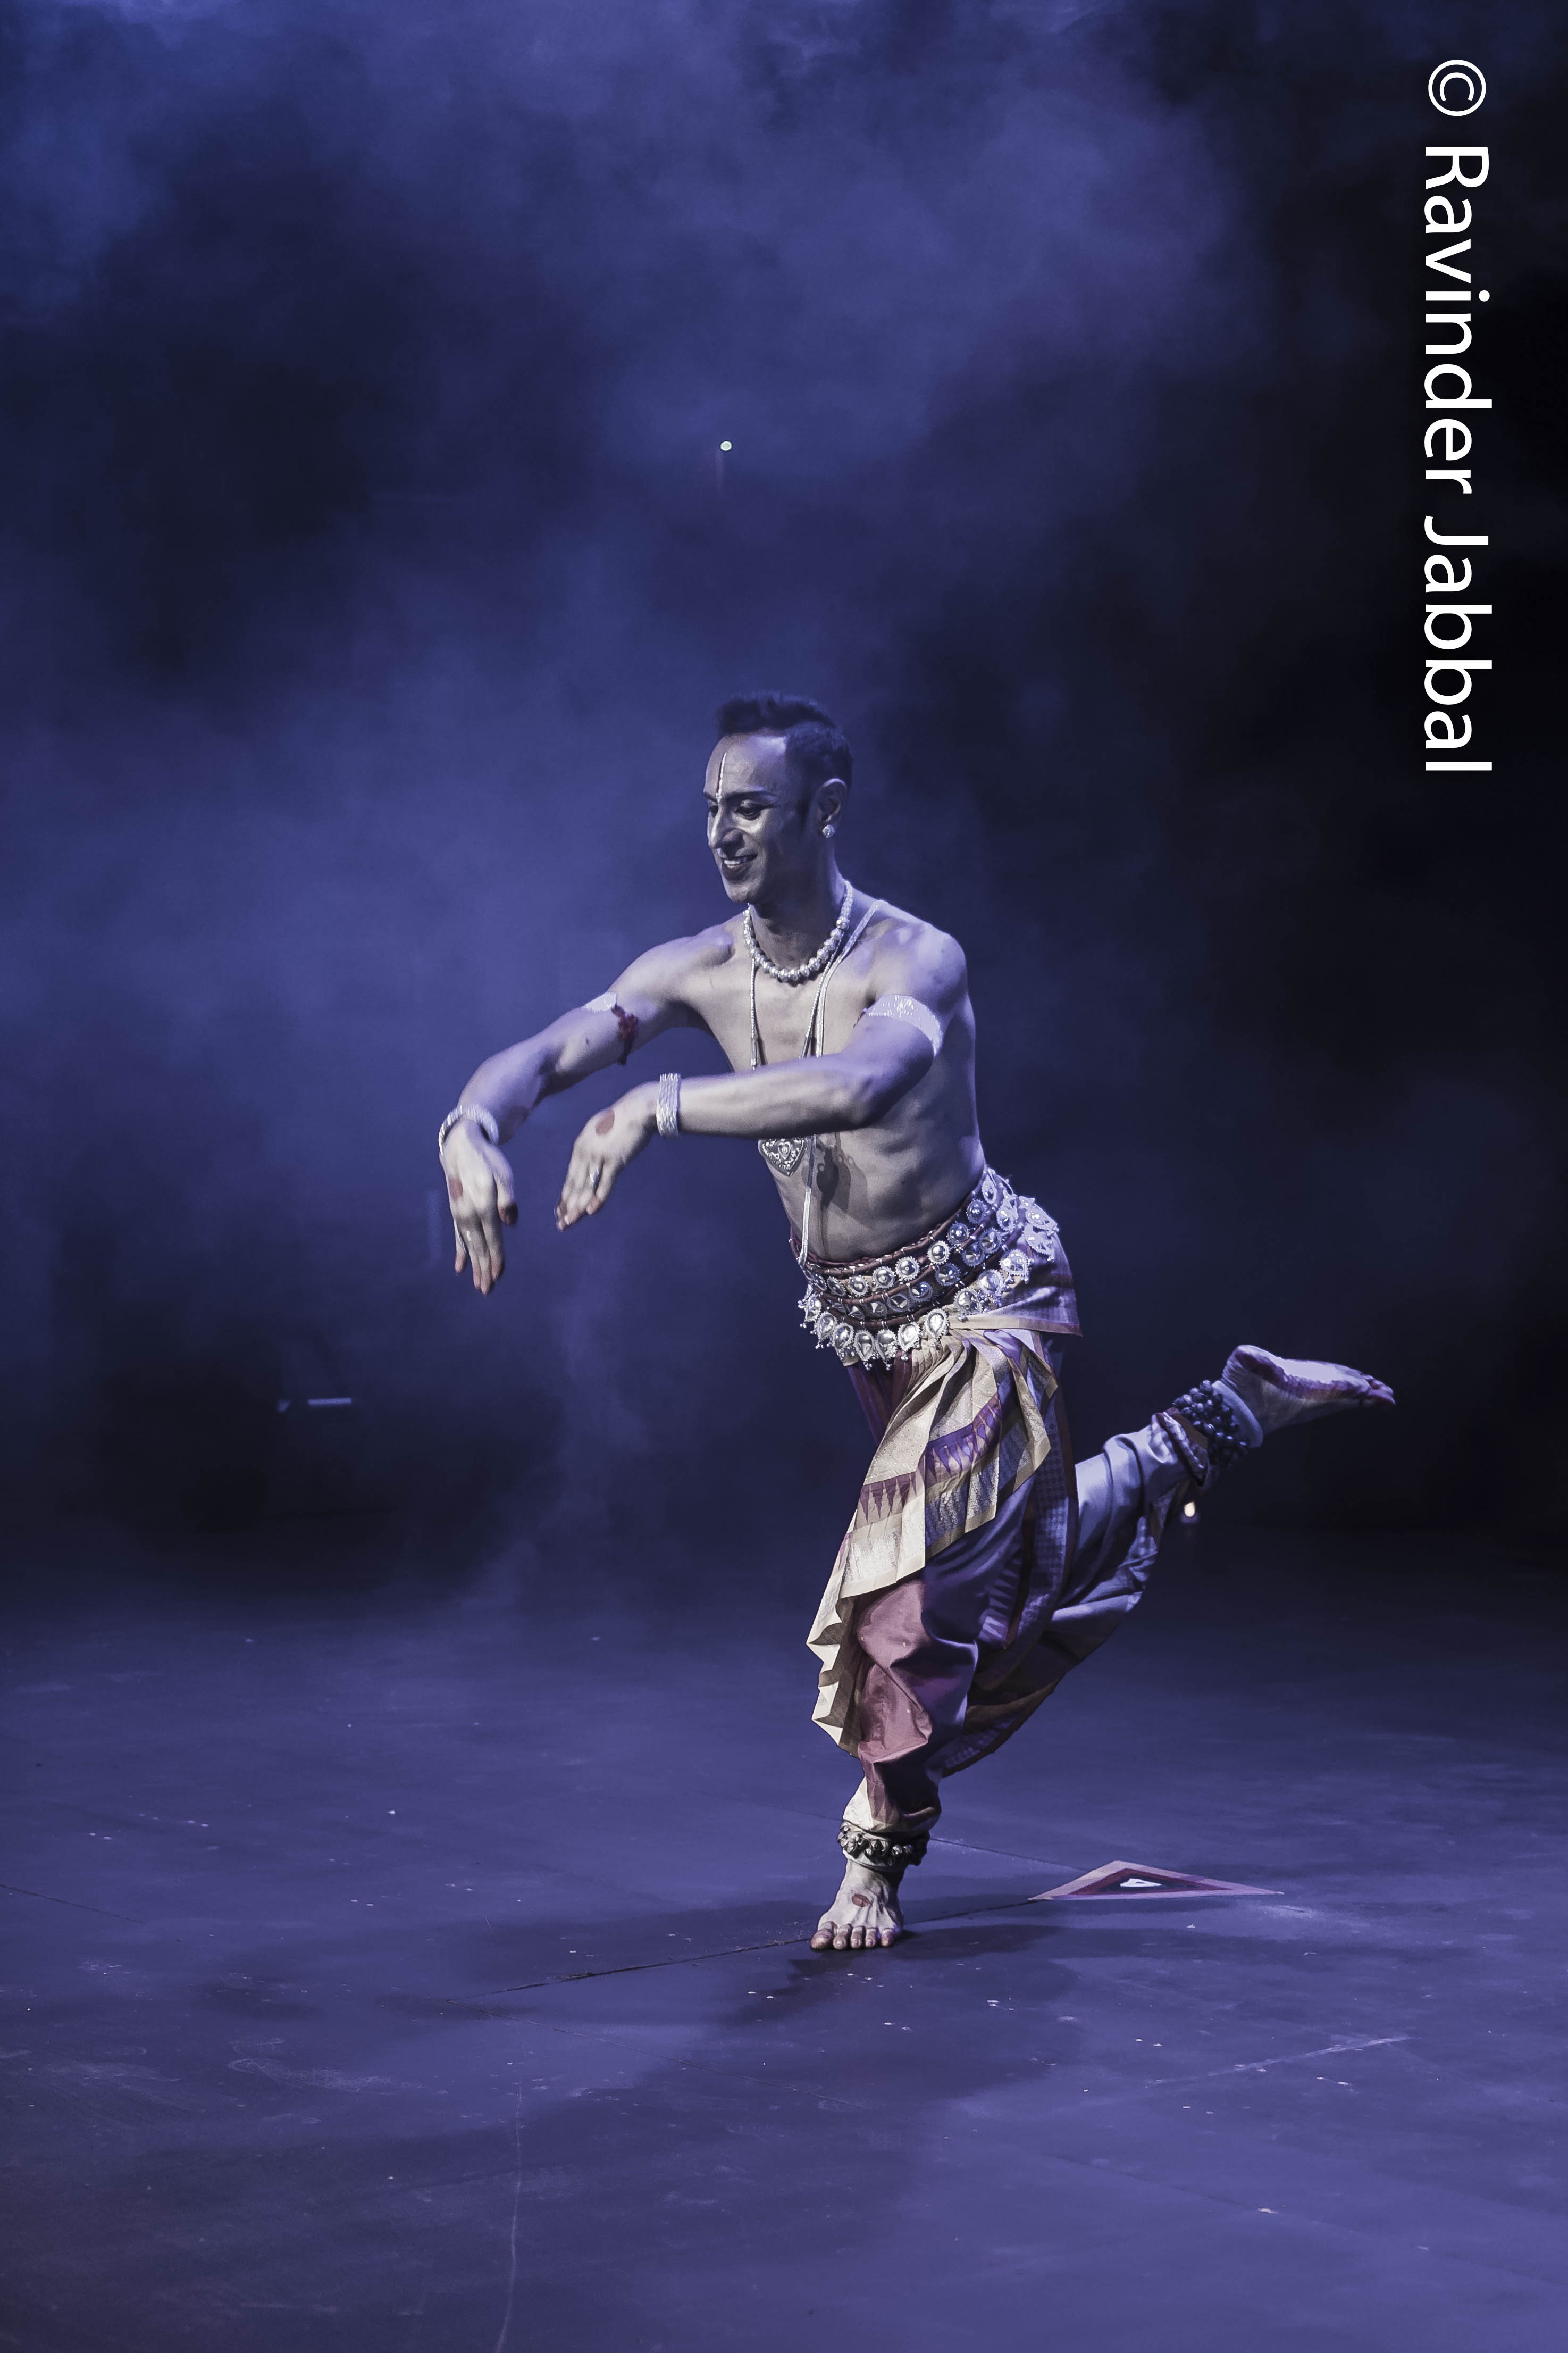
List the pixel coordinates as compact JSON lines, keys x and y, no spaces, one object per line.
{"x":889,"y":1853}
{"x":1206,"y":1413}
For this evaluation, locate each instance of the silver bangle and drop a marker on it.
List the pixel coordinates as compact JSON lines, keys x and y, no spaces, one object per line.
{"x":667,"y":1118}
{"x":485,"y":1121}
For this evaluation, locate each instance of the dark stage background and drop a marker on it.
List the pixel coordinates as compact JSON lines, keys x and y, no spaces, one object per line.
{"x":368,"y":584}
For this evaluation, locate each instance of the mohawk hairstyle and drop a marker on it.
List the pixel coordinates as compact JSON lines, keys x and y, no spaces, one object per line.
{"x":814,"y":747}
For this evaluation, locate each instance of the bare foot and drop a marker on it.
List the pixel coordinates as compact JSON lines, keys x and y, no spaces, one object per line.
{"x":863,"y":1913}
{"x":1285,"y":1389}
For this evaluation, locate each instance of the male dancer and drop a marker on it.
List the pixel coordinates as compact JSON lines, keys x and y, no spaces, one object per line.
{"x":980,"y":1564}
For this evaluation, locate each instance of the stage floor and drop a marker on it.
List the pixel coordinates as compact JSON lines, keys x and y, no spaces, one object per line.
{"x":386,"y":1972}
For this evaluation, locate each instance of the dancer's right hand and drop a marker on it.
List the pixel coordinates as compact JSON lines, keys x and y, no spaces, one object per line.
{"x":480,"y":1195}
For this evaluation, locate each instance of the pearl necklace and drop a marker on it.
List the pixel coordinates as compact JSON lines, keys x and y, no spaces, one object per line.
{"x":793,"y":975}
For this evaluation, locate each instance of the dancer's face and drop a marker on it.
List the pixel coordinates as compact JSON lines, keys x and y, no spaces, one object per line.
{"x":761,"y":834}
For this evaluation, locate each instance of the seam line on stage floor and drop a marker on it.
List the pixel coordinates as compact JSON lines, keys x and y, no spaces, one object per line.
{"x":71,"y":1903}
{"x":727,"y":1952}
{"x":1206,"y":1896}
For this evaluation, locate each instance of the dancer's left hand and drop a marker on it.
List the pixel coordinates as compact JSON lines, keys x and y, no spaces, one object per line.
{"x":606,"y":1145}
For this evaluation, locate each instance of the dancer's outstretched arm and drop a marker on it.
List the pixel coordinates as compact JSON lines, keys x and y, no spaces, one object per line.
{"x":648,"y":1000}
{"x":883,"y":1059}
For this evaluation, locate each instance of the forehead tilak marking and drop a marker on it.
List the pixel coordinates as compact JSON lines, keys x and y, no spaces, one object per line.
{"x":719,"y":779}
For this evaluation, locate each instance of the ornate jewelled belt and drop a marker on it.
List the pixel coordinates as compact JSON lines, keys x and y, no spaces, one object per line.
{"x":873,"y":1310}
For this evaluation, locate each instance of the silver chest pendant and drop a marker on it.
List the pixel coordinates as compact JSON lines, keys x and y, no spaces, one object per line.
{"x":783,"y":1154}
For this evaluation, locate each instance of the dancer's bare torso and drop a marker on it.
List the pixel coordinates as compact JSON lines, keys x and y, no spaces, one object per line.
{"x":877,"y":1186}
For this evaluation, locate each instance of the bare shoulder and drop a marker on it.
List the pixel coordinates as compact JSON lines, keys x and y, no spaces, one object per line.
{"x":669,"y":973}
{"x":918,"y":958}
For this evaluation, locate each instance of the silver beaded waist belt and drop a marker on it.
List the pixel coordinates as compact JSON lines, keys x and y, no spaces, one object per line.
{"x":872,"y":1310}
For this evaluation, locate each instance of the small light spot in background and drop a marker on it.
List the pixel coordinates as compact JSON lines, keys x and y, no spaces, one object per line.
{"x":726,"y":445}
{"x":1189,"y":1511}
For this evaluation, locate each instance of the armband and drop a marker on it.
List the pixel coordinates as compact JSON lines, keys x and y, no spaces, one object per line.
{"x":909,"y":1009}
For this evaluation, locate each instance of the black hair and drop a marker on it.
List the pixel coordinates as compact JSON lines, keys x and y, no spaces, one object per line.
{"x":814,"y":747}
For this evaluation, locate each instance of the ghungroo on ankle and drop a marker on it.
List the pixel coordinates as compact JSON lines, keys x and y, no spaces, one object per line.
{"x":1206,"y":1409}
{"x":889,"y":1853}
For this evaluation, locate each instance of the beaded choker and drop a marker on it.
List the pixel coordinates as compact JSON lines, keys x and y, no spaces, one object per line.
{"x":794,"y":975}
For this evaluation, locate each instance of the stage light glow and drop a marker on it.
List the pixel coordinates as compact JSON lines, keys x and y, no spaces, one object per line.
{"x":726,"y":445}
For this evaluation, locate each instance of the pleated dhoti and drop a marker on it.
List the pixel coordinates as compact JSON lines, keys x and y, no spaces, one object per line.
{"x":981,"y":1563}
